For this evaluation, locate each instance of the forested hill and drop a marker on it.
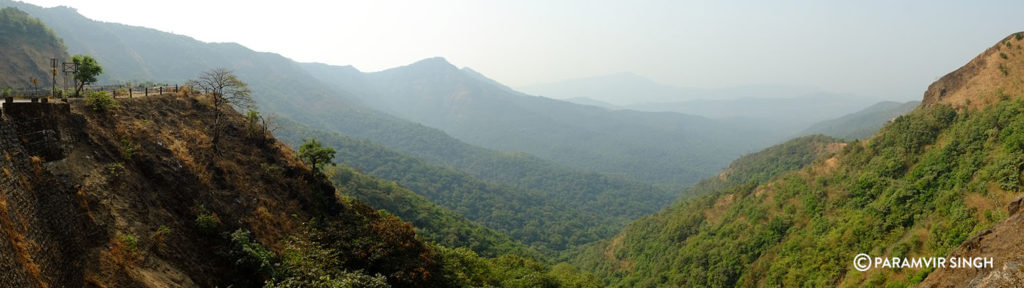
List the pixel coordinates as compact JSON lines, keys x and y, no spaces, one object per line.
{"x":920,"y":187}
{"x":544,"y":206}
{"x":661,"y":148}
{"x":26,"y":50}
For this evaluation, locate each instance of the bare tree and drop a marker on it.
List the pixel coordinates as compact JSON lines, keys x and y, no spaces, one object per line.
{"x":224,"y":88}
{"x":259,"y":127}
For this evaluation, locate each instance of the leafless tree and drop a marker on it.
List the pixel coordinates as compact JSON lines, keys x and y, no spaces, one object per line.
{"x":260,"y":127}
{"x":224,"y":89}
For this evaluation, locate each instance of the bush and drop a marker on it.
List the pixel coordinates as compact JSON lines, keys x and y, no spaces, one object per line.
{"x":99,"y":101}
{"x":249,"y":254}
{"x":207,"y":222}
{"x":160,"y":236}
{"x":128,"y":149}
{"x":130,"y":241}
{"x":305,"y":263}
{"x":1008,"y":175}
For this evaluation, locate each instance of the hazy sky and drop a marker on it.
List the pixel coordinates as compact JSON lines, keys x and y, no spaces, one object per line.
{"x":890,"y":49}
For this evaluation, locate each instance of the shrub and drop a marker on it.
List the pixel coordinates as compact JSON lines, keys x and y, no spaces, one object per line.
{"x":1003,"y":55}
{"x":1008,"y":175}
{"x":116,"y":170}
{"x":160,"y":236}
{"x":128,"y":149}
{"x":207,"y":222}
{"x":130,"y":241}
{"x":99,"y":101}
{"x":250,"y":254}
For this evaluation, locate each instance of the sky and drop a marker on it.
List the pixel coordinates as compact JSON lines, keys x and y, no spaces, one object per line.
{"x":879,"y":49}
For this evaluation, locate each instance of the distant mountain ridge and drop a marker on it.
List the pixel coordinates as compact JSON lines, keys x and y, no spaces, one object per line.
{"x":664,"y":148}
{"x":784,"y":109}
{"x":861,"y":124}
{"x":618,"y":89}
{"x":626,"y":89}
{"x":26,"y":49}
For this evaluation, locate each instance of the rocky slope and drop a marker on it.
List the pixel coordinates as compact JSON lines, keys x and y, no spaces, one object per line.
{"x":992,"y":76}
{"x":138,"y":197}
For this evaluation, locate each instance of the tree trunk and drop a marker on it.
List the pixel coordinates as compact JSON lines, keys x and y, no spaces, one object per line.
{"x":78,"y":89}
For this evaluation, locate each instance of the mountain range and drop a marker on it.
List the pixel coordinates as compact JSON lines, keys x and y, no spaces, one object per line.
{"x":661,"y":148}
{"x":468,"y":182}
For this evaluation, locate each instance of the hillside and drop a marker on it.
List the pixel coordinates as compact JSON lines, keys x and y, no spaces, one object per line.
{"x":26,"y":50}
{"x":861,"y":124}
{"x":138,"y":198}
{"x":431,"y":221}
{"x":990,"y":78}
{"x":542,"y":206}
{"x":661,"y":148}
{"x":921,"y":187}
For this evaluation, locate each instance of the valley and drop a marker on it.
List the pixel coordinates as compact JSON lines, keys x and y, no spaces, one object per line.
{"x":260,"y":170}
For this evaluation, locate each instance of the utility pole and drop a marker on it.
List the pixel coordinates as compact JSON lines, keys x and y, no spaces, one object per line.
{"x":69,"y":69}
{"x":53,"y":88}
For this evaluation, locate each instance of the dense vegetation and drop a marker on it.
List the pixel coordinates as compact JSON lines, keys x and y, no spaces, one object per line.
{"x":920,"y":187}
{"x":432,"y":222}
{"x":340,"y":253}
{"x":538,"y":209}
{"x":26,"y":49}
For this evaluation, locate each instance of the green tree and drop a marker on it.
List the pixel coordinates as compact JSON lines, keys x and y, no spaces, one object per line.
{"x":314,"y":154}
{"x":86,"y":72}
